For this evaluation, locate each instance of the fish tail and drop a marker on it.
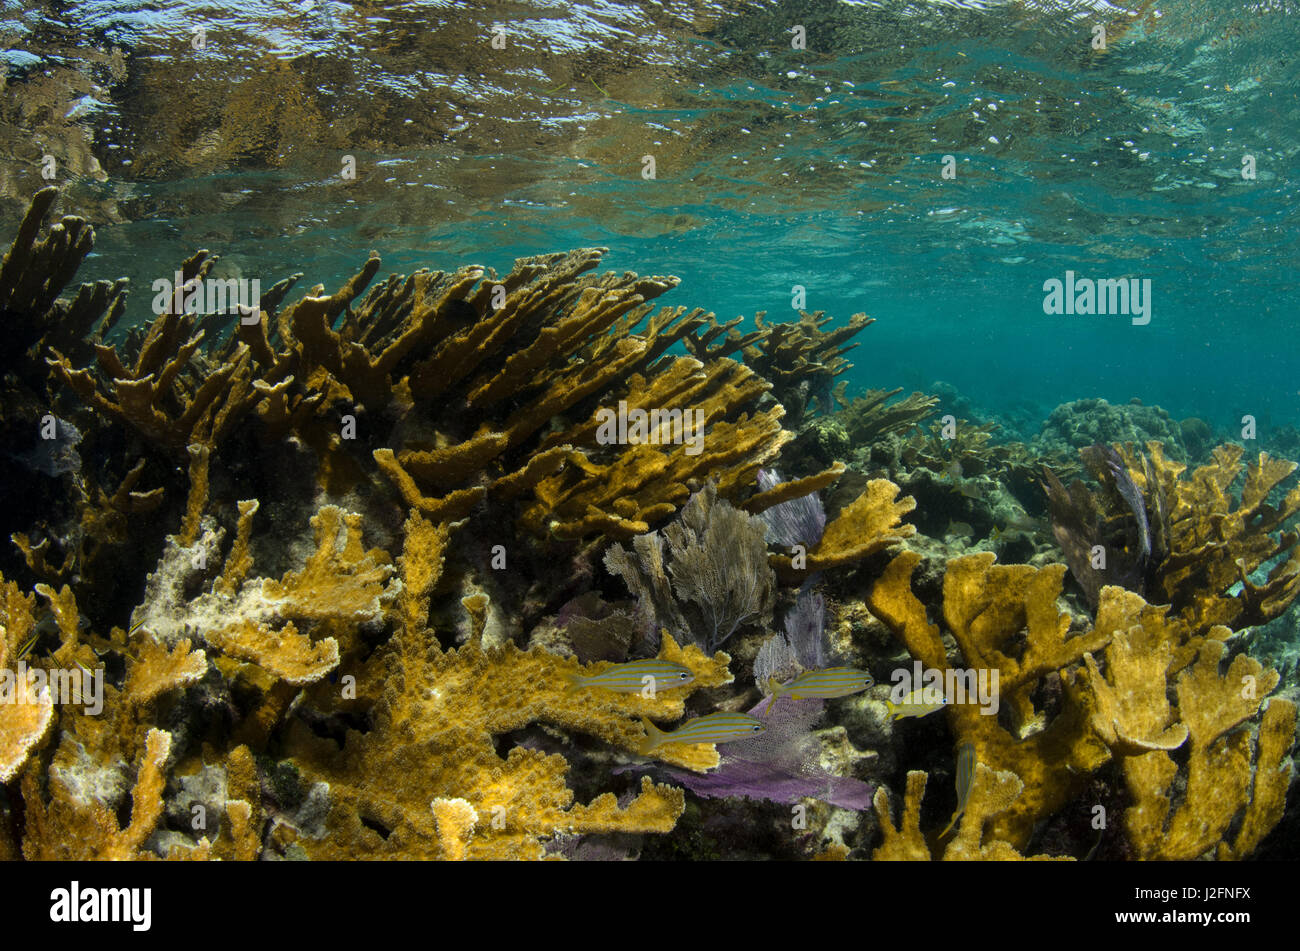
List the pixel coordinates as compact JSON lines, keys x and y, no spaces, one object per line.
{"x":775,"y":691}
{"x":950,"y":824}
{"x":893,"y":710}
{"x":575,"y":682}
{"x":653,"y":737}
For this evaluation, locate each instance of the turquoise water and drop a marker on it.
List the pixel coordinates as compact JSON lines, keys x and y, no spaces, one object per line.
{"x":775,"y":167}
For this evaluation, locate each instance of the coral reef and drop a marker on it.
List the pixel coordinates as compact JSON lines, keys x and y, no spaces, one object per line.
{"x":991,"y":794}
{"x":434,"y":715}
{"x":314,"y":580}
{"x":1005,"y":618}
{"x":1223,"y":779}
{"x":219,"y":658}
{"x":1207,"y":546}
{"x":469,"y":392}
{"x":869,"y":524}
{"x":871,"y":417}
{"x":799,"y":358}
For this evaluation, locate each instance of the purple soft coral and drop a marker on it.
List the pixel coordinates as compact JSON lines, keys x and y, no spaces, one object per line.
{"x":805,"y":626}
{"x":779,"y":765}
{"x":800,"y":521}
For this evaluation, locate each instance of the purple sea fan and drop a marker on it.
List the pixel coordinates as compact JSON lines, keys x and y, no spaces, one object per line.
{"x":805,"y":626}
{"x":800,"y":521}
{"x":801,"y":647}
{"x":776,"y":659}
{"x":779,"y":765}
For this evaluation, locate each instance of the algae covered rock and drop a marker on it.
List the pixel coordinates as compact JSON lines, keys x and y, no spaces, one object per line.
{"x":1082,"y":423}
{"x":823,"y":441}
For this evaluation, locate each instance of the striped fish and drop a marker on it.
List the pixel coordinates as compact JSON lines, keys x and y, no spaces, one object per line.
{"x":631,"y":677}
{"x":822,"y":684}
{"x":711,"y":728}
{"x":915,"y":704}
{"x":48,"y":624}
{"x":26,"y":647}
{"x":965,"y":779}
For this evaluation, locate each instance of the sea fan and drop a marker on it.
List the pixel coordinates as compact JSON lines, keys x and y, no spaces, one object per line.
{"x":800,"y":521}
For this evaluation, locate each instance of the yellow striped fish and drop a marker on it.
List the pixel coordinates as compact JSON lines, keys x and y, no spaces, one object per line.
{"x":915,"y":704}
{"x":631,"y":677}
{"x":821,"y":684}
{"x":711,"y":728}
{"x":26,"y":647}
{"x":965,"y":779}
{"x":48,"y":624}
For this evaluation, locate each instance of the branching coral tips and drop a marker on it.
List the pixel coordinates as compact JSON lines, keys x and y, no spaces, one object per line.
{"x":638,"y":676}
{"x":821,"y":684}
{"x":712,"y":728}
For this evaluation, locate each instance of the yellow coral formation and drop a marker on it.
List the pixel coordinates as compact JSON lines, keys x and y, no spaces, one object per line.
{"x":1273,"y":771}
{"x":991,"y":794}
{"x":986,"y":607}
{"x":793,"y":489}
{"x":66,"y":818}
{"x":435,"y":714}
{"x":1006,"y":618}
{"x":429,"y":702}
{"x":156,"y":669}
{"x":34,"y":273}
{"x":870,"y":416}
{"x":91,"y":831}
{"x":340,"y":586}
{"x":1206,"y":541}
{"x":869,"y":524}
{"x":1133,"y":714}
{"x":546,"y":339}
{"x":26,"y":714}
{"x":646,"y":482}
{"x":169,"y":391}
{"x":1219,"y":773}
{"x":291,"y":656}
{"x":789,"y":355}
{"x":1214,"y":542}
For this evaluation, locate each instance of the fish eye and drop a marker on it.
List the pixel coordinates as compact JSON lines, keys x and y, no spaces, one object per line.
{"x":683,"y":676}
{"x":756,"y":728}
